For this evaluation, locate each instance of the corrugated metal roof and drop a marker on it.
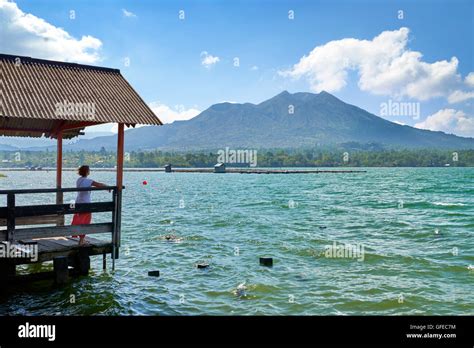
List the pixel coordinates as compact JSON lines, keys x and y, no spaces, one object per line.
{"x":39,"y":95}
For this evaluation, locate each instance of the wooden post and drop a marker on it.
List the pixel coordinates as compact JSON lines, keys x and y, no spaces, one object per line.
{"x":82,"y":262}
{"x":7,"y":272}
{"x":59,"y":171}
{"x":119,"y":184}
{"x":120,"y":155}
{"x":61,"y":270}
{"x":10,"y":217}
{"x":114,"y":223}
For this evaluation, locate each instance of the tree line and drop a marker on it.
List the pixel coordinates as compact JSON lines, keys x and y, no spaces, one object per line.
{"x":265,"y":158}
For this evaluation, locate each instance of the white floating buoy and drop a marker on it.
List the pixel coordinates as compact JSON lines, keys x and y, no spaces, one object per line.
{"x":241,"y":290}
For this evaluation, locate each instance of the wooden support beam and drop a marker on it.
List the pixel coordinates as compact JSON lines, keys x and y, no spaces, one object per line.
{"x":119,"y":184}
{"x":62,"y":126}
{"x":82,"y":262}
{"x":10,"y":217}
{"x":71,"y":126}
{"x":29,"y":130}
{"x":59,"y":172}
{"x":57,"y":128}
{"x":61,"y":270}
{"x":7,"y":270}
{"x":120,"y":156}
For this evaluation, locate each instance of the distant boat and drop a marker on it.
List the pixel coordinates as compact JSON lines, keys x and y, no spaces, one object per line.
{"x":447,"y":165}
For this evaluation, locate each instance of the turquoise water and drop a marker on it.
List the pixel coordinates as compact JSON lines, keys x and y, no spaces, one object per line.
{"x":416,"y":228}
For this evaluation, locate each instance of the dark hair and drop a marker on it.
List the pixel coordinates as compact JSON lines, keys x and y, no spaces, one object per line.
{"x":83,"y":170}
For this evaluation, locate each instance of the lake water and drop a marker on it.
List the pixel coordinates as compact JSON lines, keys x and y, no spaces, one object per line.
{"x":413,"y":227}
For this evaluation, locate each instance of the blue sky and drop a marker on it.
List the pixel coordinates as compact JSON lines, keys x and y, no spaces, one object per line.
{"x":166,"y":53}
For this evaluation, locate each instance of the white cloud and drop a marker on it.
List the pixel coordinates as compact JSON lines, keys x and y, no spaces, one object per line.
{"x":449,"y":121}
{"x":460,"y":96}
{"x":25,"y":34}
{"x":169,"y":115}
{"x":470,"y":79}
{"x":208,"y":60}
{"x":128,"y":13}
{"x":254,"y":68}
{"x":385,"y":66}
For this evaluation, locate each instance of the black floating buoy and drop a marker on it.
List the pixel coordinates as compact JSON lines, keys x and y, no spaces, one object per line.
{"x":322,"y":227}
{"x":266,"y":261}
{"x":202,"y":265}
{"x":153,"y":273}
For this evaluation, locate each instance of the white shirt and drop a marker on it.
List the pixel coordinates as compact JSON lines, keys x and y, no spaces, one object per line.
{"x":83,"y":196}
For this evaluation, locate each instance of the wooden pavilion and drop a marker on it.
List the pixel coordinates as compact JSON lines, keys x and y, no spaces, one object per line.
{"x":58,"y":100}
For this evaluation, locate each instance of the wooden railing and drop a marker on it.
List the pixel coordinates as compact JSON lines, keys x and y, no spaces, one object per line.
{"x":14,"y":215}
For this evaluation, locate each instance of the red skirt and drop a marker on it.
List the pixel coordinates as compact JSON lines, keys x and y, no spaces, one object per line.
{"x":81,"y":219}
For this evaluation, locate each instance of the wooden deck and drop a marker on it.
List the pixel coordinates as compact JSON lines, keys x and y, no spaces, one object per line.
{"x":25,"y":239}
{"x":49,"y":248}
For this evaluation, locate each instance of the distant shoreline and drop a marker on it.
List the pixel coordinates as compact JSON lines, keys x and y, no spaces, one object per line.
{"x":235,"y":170}
{"x":259,"y":170}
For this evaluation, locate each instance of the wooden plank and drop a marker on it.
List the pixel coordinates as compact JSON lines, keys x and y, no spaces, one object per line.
{"x":46,"y":245}
{"x":58,"y":231}
{"x":93,"y":241}
{"x":33,"y":220}
{"x":54,"y":190}
{"x":61,"y":209}
{"x":60,"y":243}
{"x":56,"y":209}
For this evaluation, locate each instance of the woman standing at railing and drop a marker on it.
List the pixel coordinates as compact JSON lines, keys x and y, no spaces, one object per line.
{"x":84,"y":197}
